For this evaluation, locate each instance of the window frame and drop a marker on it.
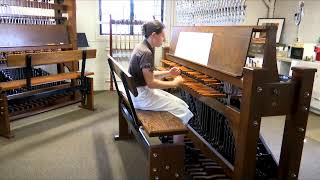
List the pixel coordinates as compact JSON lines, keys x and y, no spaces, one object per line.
{"x":131,"y":16}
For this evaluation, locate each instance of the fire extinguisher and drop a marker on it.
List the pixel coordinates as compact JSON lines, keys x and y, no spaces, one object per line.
{"x":317,"y":51}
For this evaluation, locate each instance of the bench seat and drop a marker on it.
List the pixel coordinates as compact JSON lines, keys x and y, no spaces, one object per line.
{"x":160,"y":123}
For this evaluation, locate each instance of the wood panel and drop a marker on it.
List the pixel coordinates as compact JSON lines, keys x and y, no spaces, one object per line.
{"x":41,"y":80}
{"x":16,"y":35}
{"x":166,"y":161}
{"x":34,"y":48}
{"x":277,"y":98}
{"x":17,"y":60}
{"x":229,"y":46}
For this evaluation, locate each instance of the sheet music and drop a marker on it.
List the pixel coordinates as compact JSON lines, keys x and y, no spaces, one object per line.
{"x":194,"y":46}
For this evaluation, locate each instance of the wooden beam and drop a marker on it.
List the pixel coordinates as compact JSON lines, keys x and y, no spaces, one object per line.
{"x":41,"y":80}
{"x":22,"y":35}
{"x":18,"y":60}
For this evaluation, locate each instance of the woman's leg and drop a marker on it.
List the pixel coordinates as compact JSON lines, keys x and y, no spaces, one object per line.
{"x":159,"y":100}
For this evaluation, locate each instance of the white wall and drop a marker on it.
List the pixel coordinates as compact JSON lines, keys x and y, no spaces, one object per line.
{"x":255,"y":9}
{"x":87,"y":22}
{"x":310,"y":25}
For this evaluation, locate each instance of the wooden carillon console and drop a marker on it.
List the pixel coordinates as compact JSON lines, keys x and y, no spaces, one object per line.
{"x":229,"y":99}
{"x":39,"y":60}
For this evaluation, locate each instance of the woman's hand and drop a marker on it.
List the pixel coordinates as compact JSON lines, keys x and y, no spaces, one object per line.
{"x":174,"y":71}
{"x":178,"y":80}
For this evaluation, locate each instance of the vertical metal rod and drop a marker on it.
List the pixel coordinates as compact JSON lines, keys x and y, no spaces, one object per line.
{"x":28,"y":71}
{"x":83,"y":66}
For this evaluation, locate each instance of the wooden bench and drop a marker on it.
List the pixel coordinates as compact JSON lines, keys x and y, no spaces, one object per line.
{"x":166,"y":161}
{"x":79,"y":82}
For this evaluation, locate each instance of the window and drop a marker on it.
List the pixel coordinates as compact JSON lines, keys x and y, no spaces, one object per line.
{"x":142,"y":10}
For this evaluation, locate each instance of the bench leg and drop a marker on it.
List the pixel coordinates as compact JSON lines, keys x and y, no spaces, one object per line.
{"x":124,"y":132}
{"x":4,"y":118}
{"x":89,"y":97}
{"x":71,"y":67}
{"x":166,"y":161}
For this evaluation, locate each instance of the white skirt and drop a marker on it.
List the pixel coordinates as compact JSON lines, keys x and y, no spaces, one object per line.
{"x":159,"y":100}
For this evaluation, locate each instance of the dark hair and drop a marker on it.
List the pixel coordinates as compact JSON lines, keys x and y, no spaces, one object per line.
{"x":152,"y":26}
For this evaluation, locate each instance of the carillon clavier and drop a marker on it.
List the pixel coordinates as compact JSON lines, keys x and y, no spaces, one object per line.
{"x":34,"y":35}
{"x":229,"y":98}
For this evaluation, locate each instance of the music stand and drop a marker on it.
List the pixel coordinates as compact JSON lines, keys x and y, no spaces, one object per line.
{"x":82,"y":40}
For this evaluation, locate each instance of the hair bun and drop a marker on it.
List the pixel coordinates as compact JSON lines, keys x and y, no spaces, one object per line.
{"x":152,"y":26}
{"x":144,"y":29}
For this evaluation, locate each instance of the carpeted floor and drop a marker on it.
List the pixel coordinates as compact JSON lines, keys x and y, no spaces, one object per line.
{"x":73,"y":143}
{"x":314,"y":127}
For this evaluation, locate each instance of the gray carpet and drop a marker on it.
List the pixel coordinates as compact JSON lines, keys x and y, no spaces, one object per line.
{"x":73,"y":143}
{"x":272,"y":131}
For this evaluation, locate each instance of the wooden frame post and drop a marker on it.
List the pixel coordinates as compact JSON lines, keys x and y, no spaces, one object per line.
{"x":295,"y":124}
{"x":4,"y":117}
{"x":250,"y":120}
{"x":124,"y":131}
{"x":269,"y":55}
{"x":88,"y":102}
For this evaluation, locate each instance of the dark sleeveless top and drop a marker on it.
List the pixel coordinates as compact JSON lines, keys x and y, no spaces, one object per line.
{"x":142,"y":57}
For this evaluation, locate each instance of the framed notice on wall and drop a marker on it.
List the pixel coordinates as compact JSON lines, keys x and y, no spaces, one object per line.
{"x":279,"y":22}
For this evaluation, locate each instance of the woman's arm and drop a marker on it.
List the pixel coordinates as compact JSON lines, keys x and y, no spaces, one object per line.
{"x":162,"y":74}
{"x":154,"y":83}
